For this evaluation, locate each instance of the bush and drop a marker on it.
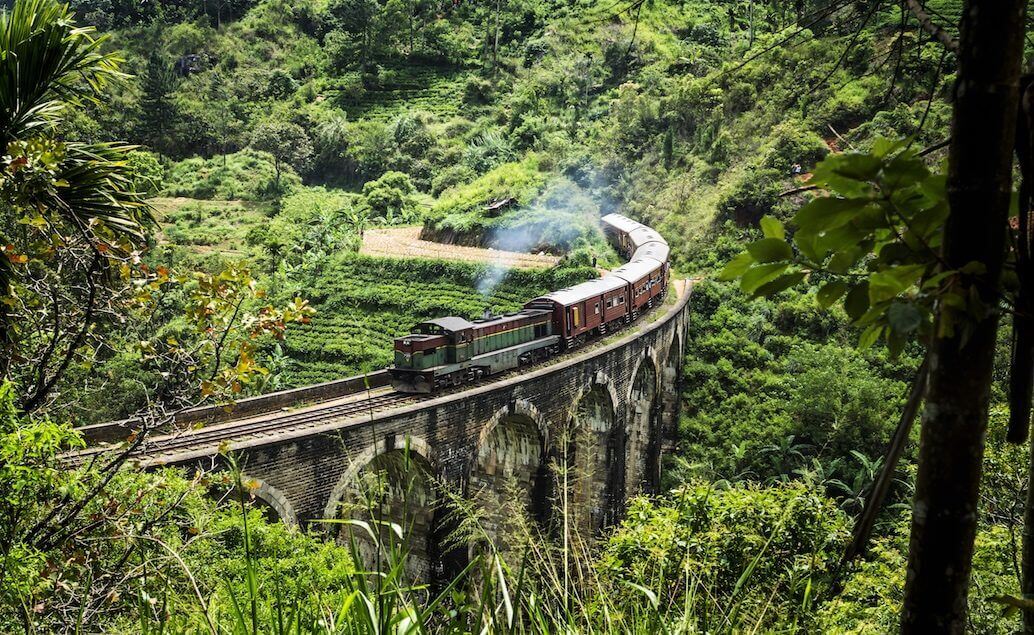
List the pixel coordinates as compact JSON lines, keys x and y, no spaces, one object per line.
{"x":390,"y":198}
{"x":752,"y":195}
{"x":148,"y":173}
{"x":247,"y":175}
{"x":752,"y":550}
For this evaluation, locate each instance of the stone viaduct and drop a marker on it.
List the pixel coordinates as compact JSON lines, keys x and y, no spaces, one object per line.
{"x":606,"y":413}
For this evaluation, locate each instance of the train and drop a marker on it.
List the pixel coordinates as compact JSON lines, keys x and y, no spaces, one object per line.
{"x":452,"y":351}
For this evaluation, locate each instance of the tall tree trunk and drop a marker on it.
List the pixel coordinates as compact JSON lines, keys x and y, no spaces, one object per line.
{"x":944,"y":512}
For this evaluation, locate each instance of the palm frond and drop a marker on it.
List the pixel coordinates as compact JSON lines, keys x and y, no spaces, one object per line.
{"x":46,"y":62}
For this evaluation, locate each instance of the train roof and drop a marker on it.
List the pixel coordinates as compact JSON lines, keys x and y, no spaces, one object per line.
{"x":643,"y":234}
{"x":658,"y":250}
{"x":636,"y":270}
{"x":579,"y":292}
{"x":450,"y":323}
{"x":621,"y":222}
{"x":497,"y":319}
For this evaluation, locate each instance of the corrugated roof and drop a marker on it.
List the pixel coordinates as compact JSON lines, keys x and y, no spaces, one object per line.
{"x":620,"y":222}
{"x":643,"y":235}
{"x":658,"y":250}
{"x":578,"y":292}
{"x":635,"y":270}
{"x":450,"y":323}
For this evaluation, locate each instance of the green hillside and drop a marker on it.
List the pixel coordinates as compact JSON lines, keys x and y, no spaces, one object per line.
{"x":269,"y":135}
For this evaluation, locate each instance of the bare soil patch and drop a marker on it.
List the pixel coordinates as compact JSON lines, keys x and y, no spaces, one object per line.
{"x":405,"y":242}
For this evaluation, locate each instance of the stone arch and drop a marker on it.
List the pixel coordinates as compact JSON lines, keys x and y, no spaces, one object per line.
{"x":509,"y":472}
{"x":644,"y":425}
{"x":390,"y":481}
{"x":272,"y":499}
{"x":516,"y":408}
{"x":594,"y":456}
{"x":678,"y":344}
{"x":649,"y":357}
{"x":672,"y":365}
{"x":600,"y":381}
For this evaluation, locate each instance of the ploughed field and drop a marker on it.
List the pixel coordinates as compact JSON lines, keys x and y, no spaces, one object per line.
{"x":405,"y":241}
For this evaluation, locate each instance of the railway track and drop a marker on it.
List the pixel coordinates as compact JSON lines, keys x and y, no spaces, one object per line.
{"x":259,"y":425}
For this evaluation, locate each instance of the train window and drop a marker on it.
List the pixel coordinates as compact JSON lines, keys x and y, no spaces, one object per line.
{"x":597,"y":308}
{"x":430,"y":351}
{"x":576,"y":315}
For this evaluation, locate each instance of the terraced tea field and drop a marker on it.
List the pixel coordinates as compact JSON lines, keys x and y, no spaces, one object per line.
{"x":431,"y":89}
{"x":363,"y":303}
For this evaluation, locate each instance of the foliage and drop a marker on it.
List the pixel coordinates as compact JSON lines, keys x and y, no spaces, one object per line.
{"x":70,"y":221}
{"x":390,"y":199}
{"x":887,"y":204}
{"x":766,"y":553}
{"x":246,"y":175}
{"x":286,"y":141}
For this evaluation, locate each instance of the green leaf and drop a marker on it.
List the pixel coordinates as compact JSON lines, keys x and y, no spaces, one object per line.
{"x":904,"y":170}
{"x":770,"y":250}
{"x":869,"y":336}
{"x":974,"y":268}
{"x":847,"y":173}
{"x":830,"y":293}
{"x":808,"y":246}
{"x":736,"y":267}
{"x":904,"y":318}
{"x":772,"y":227}
{"x":843,"y":261}
{"x":826,"y":212}
{"x":857,"y":301}
{"x":781,"y":283}
{"x":759,"y":275}
{"x":883,"y":146}
{"x":888,"y":283}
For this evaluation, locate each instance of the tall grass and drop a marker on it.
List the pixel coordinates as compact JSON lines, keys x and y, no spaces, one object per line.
{"x":521,"y":576}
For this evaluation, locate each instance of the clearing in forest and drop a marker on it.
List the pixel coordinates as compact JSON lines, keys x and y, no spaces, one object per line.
{"x":405,"y":242}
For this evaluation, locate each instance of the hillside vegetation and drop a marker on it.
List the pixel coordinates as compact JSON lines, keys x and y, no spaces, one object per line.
{"x":273,"y":133}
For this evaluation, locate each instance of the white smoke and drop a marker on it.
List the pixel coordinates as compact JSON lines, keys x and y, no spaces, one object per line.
{"x":519,"y":239}
{"x":558,"y":217}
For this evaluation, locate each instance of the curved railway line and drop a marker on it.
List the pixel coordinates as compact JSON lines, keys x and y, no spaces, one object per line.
{"x":646,"y":271}
{"x":156,"y":447}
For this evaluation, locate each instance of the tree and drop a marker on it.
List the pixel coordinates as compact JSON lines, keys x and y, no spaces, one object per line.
{"x":979,"y":187}
{"x":286,"y":141}
{"x":158,"y":111}
{"x":356,"y":19}
{"x":934,"y":248}
{"x":70,"y":219}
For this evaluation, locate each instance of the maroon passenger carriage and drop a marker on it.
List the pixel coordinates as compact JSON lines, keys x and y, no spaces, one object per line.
{"x":596,"y":306}
{"x":451,"y":351}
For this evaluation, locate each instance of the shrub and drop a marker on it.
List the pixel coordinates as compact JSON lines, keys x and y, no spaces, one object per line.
{"x":752,"y":195}
{"x":148,"y":173}
{"x":740,"y":547}
{"x":390,"y":197}
{"x":247,"y":175}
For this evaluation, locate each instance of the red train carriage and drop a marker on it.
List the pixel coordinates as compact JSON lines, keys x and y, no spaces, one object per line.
{"x":586,"y":308}
{"x":646,"y":279}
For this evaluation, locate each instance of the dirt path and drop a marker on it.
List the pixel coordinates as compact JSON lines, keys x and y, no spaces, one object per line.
{"x":405,"y":241}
